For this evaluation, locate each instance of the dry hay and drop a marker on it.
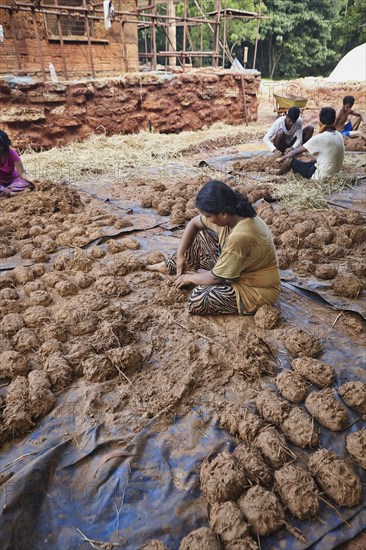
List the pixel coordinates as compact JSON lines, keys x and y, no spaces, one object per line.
{"x":222,"y":478}
{"x":354,"y":395}
{"x":12,"y":364}
{"x":267,"y":317}
{"x":239,"y":420}
{"x":356,"y":446}
{"x":348,"y":285}
{"x":143,"y":156}
{"x":154,"y":544}
{"x":11,"y":323}
{"x":298,"y":427}
{"x":26,"y":340}
{"x":272,"y":445}
{"x":272,"y":408}
{"x":200,"y":539}
{"x":98,"y":368}
{"x":59,"y":371}
{"x":262,"y":510}
{"x":256,"y":358}
{"x":314,"y":371}
{"x":336,"y":478}
{"x":41,"y":399}
{"x":327,"y":410}
{"x":227,"y":521}
{"x":297,"y":491}
{"x":17,"y":418}
{"x":255,"y":467}
{"x":291,"y":386}
{"x":301,"y":343}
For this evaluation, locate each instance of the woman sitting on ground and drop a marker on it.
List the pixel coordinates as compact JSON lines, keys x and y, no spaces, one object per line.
{"x":227,"y":252}
{"x":13,"y":177}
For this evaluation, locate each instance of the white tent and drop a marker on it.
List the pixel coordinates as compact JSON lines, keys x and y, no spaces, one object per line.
{"x":351,"y":67}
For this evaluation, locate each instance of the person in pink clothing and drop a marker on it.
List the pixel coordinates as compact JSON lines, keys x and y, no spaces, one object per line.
{"x":13,"y":177}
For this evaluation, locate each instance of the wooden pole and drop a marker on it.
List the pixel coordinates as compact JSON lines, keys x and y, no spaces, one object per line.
{"x":224,"y":40}
{"x":172,"y":32}
{"x":87,"y":26}
{"x":124,"y":45}
{"x":19,"y":63}
{"x":201,"y":37}
{"x":172,"y":49}
{"x":62,"y":46}
{"x":257,"y":36}
{"x":39,"y":45}
{"x":216,"y":44}
{"x":153,"y":41}
{"x":184,"y":33}
{"x":244,"y":100}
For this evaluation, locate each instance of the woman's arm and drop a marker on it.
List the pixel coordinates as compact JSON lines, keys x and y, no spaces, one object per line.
{"x":201,"y":278}
{"x":189,"y":234}
{"x":21,"y":171}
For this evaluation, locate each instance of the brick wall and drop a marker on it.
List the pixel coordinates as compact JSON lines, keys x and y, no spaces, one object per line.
{"x":46,"y":114}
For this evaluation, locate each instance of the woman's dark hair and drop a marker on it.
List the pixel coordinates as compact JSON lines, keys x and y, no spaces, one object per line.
{"x":327,"y":116}
{"x":4,"y":141}
{"x":216,"y":197}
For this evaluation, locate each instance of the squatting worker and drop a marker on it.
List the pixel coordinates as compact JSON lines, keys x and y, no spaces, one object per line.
{"x":327,"y":148}
{"x":350,"y":128}
{"x":13,"y":177}
{"x":227,"y":252}
{"x":287,"y":132}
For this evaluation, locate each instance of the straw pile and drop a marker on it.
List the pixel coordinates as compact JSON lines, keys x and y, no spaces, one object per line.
{"x":124,"y":158}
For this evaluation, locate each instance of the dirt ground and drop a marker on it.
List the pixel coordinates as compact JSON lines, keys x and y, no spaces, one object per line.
{"x":79,"y":308}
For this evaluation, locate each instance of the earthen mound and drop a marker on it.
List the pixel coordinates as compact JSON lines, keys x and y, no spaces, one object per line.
{"x":5,"y":344}
{"x":112,"y":286}
{"x":98,"y":368}
{"x":154,"y":545}
{"x":51,"y":278}
{"x":36,"y":316}
{"x":83,"y":280}
{"x":54,"y":331}
{"x":49,"y":347}
{"x":272,"y":408}
{"x":227,"y":521}
{"x":272,"y":445}
{"x":11,"y":323}
{"x":200,"y":539}
{"x":327,"y":410}
{"x":336,"y":478}
{"x":26,"y":340}
{"x":111,"y":334}
{"x":12,"y":364}
{"x":59,"y":371}
{"x":33,"y":286}
{"x":246,"y":543}
{"x":267,"y":317}
{"x":17,"y":419}
{"x":299,"y":342}
{"x":126,"y":358}
{"x":66,"y":288}
{"x":23,"y":275}
{"x":41,"y":399}
{"x":222,"y":478}
{"x":79,"y":262}
{"x":79,"y":321}
{"x":40,"y":298}
{"x":348,"y":285}
{"x":77,"y":354}
{"x":96,"y":252}
{"x":239,"y":420}
{"x":314,"y":371}
{"x":291,"y":386}
{"x":356,"y":446}
{"x":299,"y":429}
{"x":354,"y":395}
{"x":255,"y":467}
{"x":297,"y":491}
{"x":262,"y":510}
{"x":94,"y":300}
{"x":9,"y":294}
{"x":7,"y":280}
{"x":325,"y":271}
{"x":256,"y":358}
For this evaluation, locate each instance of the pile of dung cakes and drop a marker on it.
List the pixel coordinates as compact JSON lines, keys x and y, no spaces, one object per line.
{"x":249,"y":491}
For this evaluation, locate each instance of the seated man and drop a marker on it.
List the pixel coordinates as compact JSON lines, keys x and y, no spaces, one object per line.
{"x":287,"y":132}
{"x":347,"y":127}
{"x":327,"y":148}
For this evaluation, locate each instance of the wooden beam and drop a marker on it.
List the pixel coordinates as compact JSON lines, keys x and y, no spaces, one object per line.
{"x":62,"y":47}
{"x":17,"y":55}
{"x":39,"y":45}
{"x":90,"y":48}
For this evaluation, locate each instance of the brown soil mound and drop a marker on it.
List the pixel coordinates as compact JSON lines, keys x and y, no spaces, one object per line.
{"x":5,"y":344}
{"x":7,"y":280}
{"x":303,"y":229}
{"x":154,"y":545}
{"x":271,"y":443}
{"x":26,"y":340}
{"x":36,"y":316}
{"x":96,"y":252}
{"x":66,"y":288}
{"x":51,"y":278}
{"x":256,"y":358}
{"x":299,"y":342}
{"x":291,"y":386}
{"x":272,"y":408}
{"x":346,"y":284}
{"x":262,"y":510}
{"x":9,"y":294}
{"x":23,"y":275}
{"x":83,"y":280}
{"x":325,"y":271}
{"x":260,"y":163}
{"x":94,"y":300}
{"x":76,"y":354}
{"x":255,"y":467}
{"x":239,"y":420}
{"x":79,"y":262}
{"x":245,"y":543}
{"x":227,"y":521}
{"x":112,"y":286}
{"x":98,"y":368}
{"x":12,"y":364}
{"x":111,"y":334}
{"x":267,"y":317}
{"x":54,"y":331}
{"x":17,"y":419}
{"x":33,"y":286}
{"x":356,"y":446}
{"x":314,"y":371}
{"x":299,"y":429}
{"x":222,"y":478}
{"x":126,"y":358}
{"x":336,"y":478}
{"x":41,"y":399}
{"x":11,"y":323}
{"x":59,"y":371}
{"x":333,"y":251}
{"x":298,"y":491}
{"x":200,"y":539}
{"x":78,"y":321}
{"x":49,"y":347}
{"x":40,"y":298}
{"x":327,"y":410}
{"x":354,"y":395}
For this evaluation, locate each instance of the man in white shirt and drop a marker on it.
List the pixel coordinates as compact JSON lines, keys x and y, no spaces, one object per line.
{"x":287,"y":132}
{"x":327,"y":148}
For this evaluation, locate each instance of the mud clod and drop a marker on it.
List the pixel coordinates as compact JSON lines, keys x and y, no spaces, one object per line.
{"x":200,"y":539}
{"x":314,"y":371}
{"x":356,"y":446}
{"x":255,"y":467}
{"x":227,"y":521}
{"x":271,"y":443}
{"x":291,"y":386}
{"x":222,"y":478}
{"x":354,"y":395}
{"x":262,"y":510}
{"x":12,"y":364}
{"x":301,"y":343}
{"x":267,"y":317}
{"x":297,"y":491}
{"x":327,"y":410}
{"x":41,"y":399}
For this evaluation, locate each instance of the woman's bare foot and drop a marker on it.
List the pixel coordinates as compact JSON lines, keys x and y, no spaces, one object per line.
{"x":160,"y":267}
